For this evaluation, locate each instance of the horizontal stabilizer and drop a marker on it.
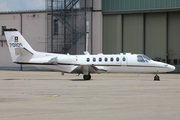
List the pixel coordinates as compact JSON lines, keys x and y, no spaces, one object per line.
{"x":22,"y":51}
{"x":22,"y":55}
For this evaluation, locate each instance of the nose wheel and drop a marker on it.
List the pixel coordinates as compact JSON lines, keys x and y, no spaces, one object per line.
{"x":156,"y":78}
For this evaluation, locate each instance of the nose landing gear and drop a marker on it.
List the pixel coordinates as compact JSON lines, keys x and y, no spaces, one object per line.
{"x":156,"y":78}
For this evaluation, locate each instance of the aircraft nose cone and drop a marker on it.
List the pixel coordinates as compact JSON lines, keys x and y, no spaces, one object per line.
{"x":171,"y":67}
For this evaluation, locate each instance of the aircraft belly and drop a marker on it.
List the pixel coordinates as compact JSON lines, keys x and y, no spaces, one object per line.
{"x":122,"y":69}
{"x":126,"y":69}
{"x":47,"y":67}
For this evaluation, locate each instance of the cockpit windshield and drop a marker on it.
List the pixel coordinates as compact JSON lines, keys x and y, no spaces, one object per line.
{"x":143,"y":58}
{"x":146,"y":57}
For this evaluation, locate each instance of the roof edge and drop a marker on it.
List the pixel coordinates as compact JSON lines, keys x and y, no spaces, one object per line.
{"x":23,"y":11}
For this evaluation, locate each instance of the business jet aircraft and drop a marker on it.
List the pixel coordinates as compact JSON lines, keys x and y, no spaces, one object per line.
{"x":22,"y":53}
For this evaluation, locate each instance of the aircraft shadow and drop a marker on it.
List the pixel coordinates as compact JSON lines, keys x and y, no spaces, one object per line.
{"x":9,"y":79}
{"x":30,"y":79}
{"x":80,"y":80}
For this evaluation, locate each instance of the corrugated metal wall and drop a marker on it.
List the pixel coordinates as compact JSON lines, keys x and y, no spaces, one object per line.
{"x":154,"y":34}
{"x":129,"y":5}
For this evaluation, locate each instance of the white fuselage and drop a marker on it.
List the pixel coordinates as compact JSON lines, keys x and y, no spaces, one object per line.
{"x":99,"y":63}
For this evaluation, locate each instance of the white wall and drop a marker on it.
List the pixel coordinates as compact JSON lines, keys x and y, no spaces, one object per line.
{"x":33,"y":30}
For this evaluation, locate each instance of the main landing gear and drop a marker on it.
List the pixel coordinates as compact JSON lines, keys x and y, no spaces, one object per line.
{"x":156,"y":78}
{"x":87,"y":77}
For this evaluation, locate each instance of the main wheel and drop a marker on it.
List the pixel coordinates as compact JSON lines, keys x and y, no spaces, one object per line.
{"x":87,"y":77}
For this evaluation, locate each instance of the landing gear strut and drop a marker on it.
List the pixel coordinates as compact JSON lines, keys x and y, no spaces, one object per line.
{"x":156,"y":78}
{"x":87,"y":77}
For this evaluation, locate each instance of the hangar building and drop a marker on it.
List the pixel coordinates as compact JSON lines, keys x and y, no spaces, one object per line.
{"x":150,"y":27}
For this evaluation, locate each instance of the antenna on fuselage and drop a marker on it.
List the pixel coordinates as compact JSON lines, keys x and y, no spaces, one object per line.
{"x":86,"y":53}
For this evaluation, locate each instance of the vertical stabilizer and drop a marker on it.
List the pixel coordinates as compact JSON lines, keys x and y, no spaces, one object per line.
{"x":19,"y":49}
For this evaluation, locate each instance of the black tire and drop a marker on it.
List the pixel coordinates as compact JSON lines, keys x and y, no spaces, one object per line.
{"x":87,"y":77}
{"x":156,"y":78}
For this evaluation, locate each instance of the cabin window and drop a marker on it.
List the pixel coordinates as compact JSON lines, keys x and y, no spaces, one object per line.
{"x":94,"y":59}
{"x":111,"y":59}
{"x":100,"y":59}
{"x":105,"y":59}
{"x":117,"y":59}
{"x":140,"y":58}
{"x":87,"y":59}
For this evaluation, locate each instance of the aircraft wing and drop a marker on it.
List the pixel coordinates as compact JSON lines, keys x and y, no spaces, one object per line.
{"x":99,"y":68}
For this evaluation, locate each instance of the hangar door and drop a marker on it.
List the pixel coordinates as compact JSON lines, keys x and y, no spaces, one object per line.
{"x":123,"y":33}
{"x":133,"y":39}
{"x":174,"y":38}
{"x":156,"y":36}
{"x":112,"y":34}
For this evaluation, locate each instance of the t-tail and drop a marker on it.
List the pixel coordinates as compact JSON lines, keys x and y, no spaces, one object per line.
{"x":19,"y":49}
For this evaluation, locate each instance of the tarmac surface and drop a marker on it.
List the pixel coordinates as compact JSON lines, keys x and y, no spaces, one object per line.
{"x":34,"y":95}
